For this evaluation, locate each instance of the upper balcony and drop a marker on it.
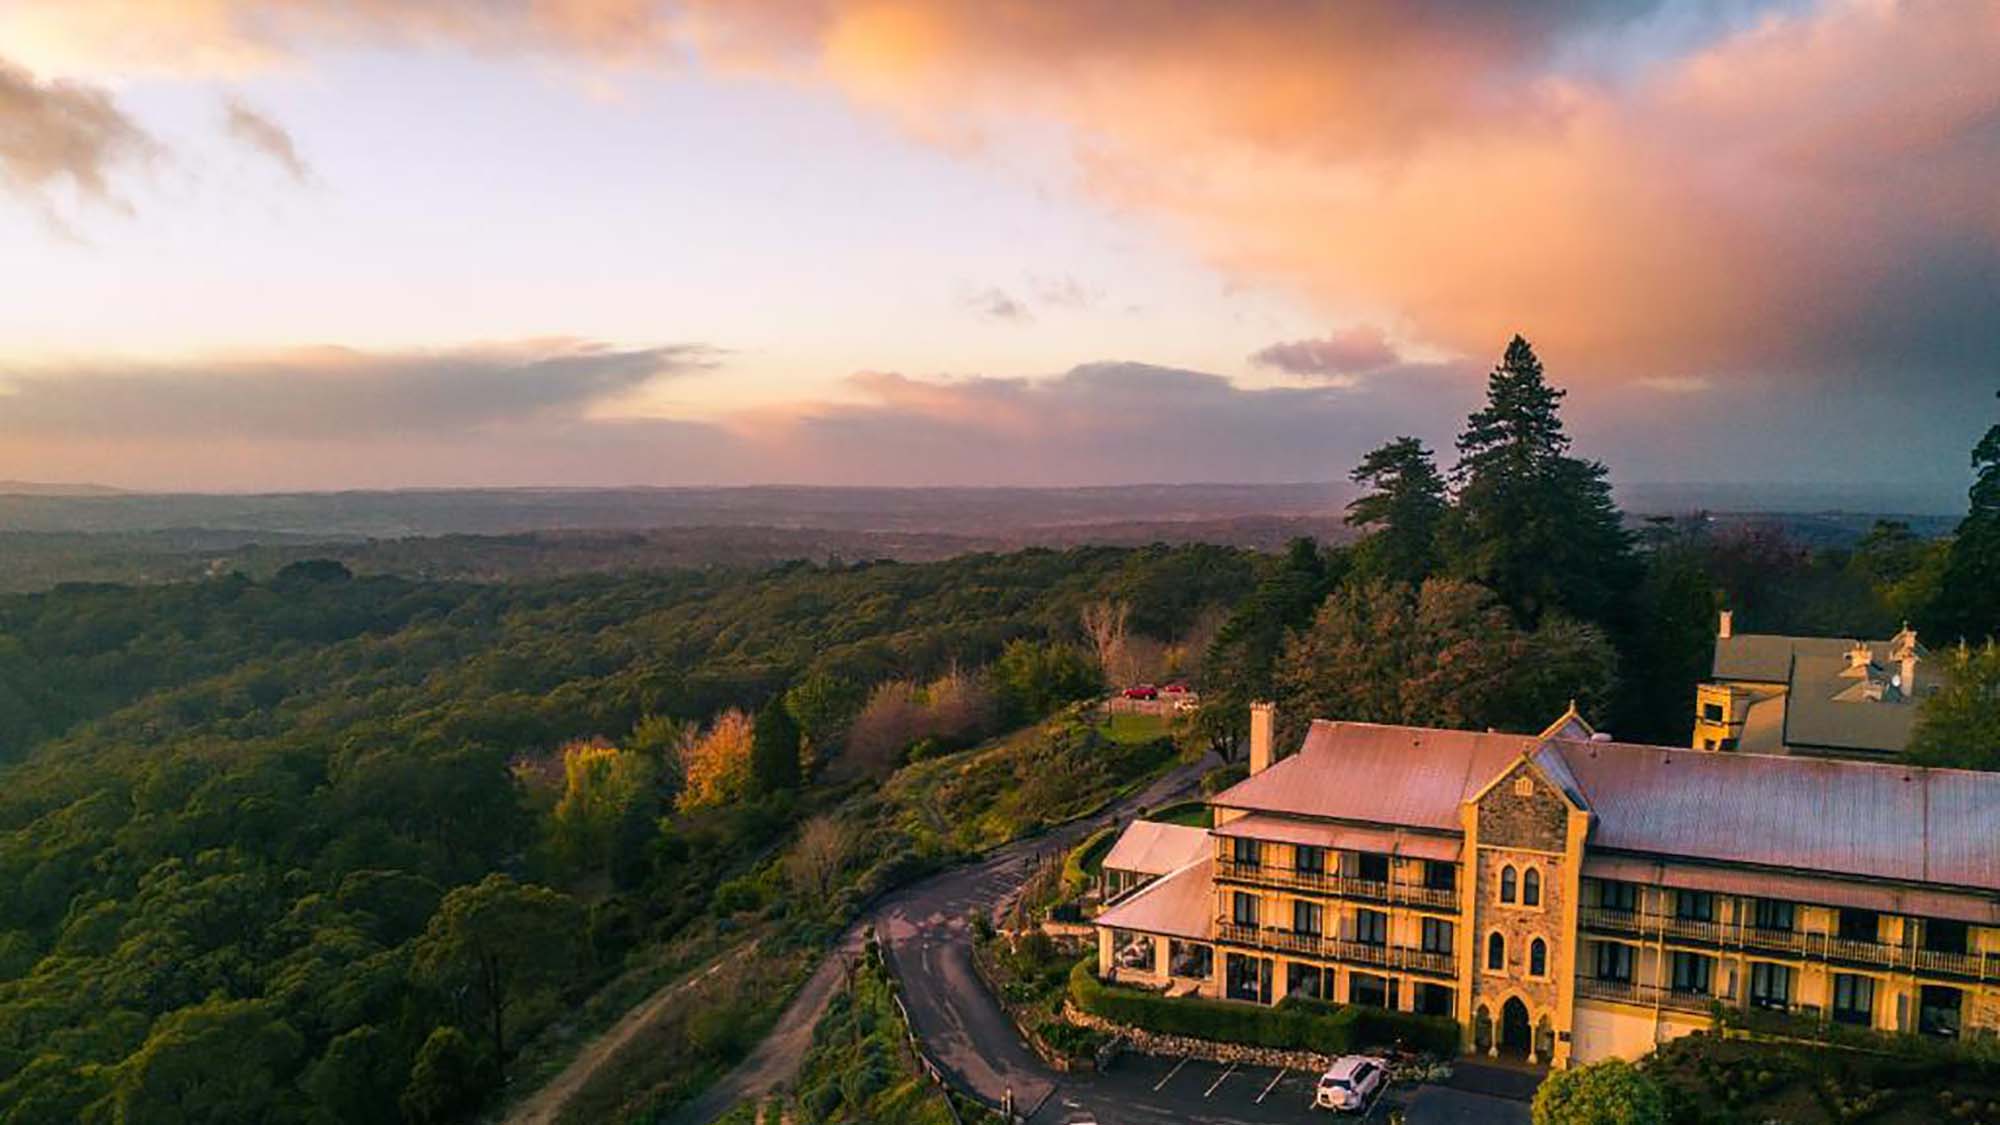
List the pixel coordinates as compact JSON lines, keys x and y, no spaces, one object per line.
{"x":1790,"y":943}
{"x":1331,"y":948}
{"x":1334,"y":884}
{"x":1629,"y":992}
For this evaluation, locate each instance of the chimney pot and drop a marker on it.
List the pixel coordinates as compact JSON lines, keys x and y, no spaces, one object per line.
{"x":1726,"y":625}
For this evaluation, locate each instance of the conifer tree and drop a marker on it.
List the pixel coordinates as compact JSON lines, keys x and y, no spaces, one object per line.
{"x":1533,"y":524}
{"x":774,"y":749}
{"x":1968,"y":602}
{"x":1404,"y":512}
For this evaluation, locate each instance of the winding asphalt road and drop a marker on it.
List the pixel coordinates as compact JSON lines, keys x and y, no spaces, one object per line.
{"x":925,"y":929}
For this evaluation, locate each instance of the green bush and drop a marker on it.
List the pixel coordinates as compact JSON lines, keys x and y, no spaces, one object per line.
{"x":1222,"y":777}
{"x":1076,"y":866}
{"x":1293,"y":1025}
{"x":1612,"y":1092}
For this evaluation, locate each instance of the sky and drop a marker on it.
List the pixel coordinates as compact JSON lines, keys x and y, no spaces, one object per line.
{"x":319,"y":244}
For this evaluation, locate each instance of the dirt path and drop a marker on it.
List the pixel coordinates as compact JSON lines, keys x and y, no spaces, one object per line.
{"x":546,"y":1104}
{"x":775,"y":1060}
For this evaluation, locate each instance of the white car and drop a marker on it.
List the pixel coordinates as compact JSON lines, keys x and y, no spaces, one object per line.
{"x":1350,"y":1082}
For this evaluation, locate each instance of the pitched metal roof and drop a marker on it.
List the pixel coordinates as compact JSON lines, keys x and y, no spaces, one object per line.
{"x":1861,"y":819}
{"x":1150,"y":847}
{"x":1343,"y":837}
{"x":1379,"y":774}
{"x":1819,"y":712}
{"x":1767,"y":657}
{"x":1178,"y":904}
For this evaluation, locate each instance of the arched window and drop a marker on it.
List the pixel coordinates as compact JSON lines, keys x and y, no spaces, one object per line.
{"x":1531,"y":887}
{"x":1538,"y":958}
{"x":1507,"y":883}
{"x":1496,"y":951}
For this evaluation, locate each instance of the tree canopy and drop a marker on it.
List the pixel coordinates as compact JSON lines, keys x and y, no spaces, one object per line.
{"x":1959,"y":724}
{"x":1533,"y":524}
{"x":1611,"y":1092}
{"x":1968,"y":595}
{"x":1404,"y":511}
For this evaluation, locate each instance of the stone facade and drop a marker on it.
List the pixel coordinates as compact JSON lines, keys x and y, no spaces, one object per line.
{"x":1523,"y":832}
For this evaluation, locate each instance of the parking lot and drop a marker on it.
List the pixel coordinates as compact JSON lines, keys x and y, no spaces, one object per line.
{"x":1139,"y":1090}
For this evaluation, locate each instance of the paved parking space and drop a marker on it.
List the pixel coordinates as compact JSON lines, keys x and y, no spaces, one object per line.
{"x":1150,"y":1091}
{"x":1139,"y":1090}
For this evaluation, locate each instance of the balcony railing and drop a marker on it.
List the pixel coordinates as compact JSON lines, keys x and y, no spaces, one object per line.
{"x":1337,"y":949}
{"x":1797,"y":943}
{"x":1336,"y":884}
{"x":1630,"y":992}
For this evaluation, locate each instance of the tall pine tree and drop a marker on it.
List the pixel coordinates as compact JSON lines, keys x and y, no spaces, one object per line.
{"x":774,"y":748}
{"x":1404,"y":512}
{"x":1533,"y":524}
{"x":1968,"y":601}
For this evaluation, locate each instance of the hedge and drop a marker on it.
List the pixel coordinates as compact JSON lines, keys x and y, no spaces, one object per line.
{"x":1980,"y":1049}
{"x":1328,"y":1029}
{"x":1074,"y":877}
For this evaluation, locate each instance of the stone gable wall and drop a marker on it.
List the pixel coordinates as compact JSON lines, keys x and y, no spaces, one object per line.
{"x":1519,"y":830}
{"x":1538,"y":820}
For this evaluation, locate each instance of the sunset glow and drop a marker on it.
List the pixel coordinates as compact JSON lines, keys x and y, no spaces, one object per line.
{"x":322,"y":244}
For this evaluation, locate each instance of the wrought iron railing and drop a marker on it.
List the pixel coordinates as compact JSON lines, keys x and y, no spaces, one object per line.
{"x":1650,"y":995}
{"x":1333,"y":948}
{"x":1335,"y":884}
{"x":1796,"y":943}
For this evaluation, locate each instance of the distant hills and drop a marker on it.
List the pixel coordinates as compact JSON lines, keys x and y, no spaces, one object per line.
{"x":53,"y":533}
{"x":44,"y":488}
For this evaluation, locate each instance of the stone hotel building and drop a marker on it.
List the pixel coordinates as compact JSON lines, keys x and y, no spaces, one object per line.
{"x":1567,"y":898}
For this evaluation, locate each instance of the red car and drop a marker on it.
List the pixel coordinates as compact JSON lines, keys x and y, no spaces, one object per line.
{"x":1143,"y":691}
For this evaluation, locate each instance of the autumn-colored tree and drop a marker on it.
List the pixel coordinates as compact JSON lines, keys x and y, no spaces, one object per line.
{"x":715,"y":768}
{"x":1106,"y":625}
{"x":958,"y":707}
{"x":891,"y":720}
{"x":602,"y":786}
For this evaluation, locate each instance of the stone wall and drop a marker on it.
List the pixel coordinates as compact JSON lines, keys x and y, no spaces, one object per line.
{"x":1539,"y":819}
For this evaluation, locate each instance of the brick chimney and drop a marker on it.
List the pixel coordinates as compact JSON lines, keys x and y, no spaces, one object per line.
{"x":1725,"y":627}
{"x":1263,"y":718}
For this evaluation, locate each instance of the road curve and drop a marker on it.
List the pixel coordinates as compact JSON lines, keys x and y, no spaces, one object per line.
{"x":929,"y":943}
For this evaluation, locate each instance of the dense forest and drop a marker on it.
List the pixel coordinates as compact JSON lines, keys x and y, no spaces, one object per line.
{"x":326,"y":848}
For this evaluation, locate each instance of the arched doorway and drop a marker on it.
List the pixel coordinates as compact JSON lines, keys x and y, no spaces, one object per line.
{"x":1515,"y":1031}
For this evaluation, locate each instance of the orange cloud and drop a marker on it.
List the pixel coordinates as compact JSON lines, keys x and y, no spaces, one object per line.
{"x":1668,"y":190}
{"x":1810,"y":190}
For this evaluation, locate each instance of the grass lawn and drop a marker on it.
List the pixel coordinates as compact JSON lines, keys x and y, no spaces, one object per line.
{"x":1131,"y":727}
{"x":1194,"y":814}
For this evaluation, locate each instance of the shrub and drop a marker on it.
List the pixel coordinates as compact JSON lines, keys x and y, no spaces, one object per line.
{"x":1222,"y":777}
{"x":1612,"y":1092}
{"x":1293,"y":1025}
{"x":1075,"y":877}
